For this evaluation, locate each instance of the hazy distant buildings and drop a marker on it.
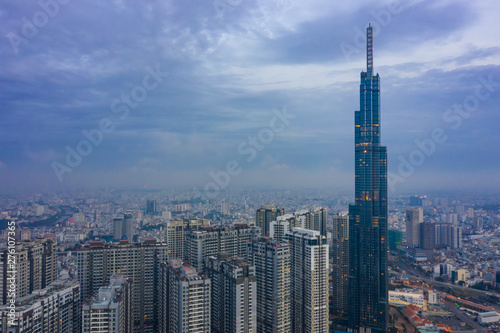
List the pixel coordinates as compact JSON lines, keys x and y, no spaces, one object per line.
{"x":272,"y":269}
{"x":36,"y":266}
{"x":309,"y":281}
{"x":110,"y":309}
{"x":184,"y":299}
{"x":56,"y":308}
{"x":340,"y":264}
{"x":414,"y":217}
{"x":123,"y":228}
{"x":265,"y":215}
{"x":97,"y":262}
{"x":151,"y":208}
{"x":208,"y":241}
{"x":368,"y":291}
{"x":234,"y":294}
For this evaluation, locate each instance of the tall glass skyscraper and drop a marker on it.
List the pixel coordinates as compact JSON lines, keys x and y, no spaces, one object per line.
{"x":368,"y":299}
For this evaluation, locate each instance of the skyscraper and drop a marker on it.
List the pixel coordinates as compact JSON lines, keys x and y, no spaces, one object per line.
{"x":414,"y":217}
{"x":234,"y":294}
{"x":272,"y":268}
{"x":140,"y":261}
{"x":309,"y":281}
{"x":110,"y":309}
{"x":55,"y":308}
{"x":36,"y":267}
{"x":316,"y":220}
{"x":368,"y":297}
{"x":185,"y":299}
{"x":265,"y":215}
{"x":123,"y":228}
{"x":209,"y":241}
{"x":340,"y":264}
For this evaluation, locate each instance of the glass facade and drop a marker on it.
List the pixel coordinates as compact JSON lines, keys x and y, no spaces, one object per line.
{"x":368,"y":297}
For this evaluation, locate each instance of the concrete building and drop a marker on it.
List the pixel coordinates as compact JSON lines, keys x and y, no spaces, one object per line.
{"x":110,"y":310}
{"x":97,"y":262}
{"x":36,"y":266}
{"x":316,"y":220}
{"x":488,"y":317}
{"x":234,"y":294}
{"x":208,"y":241}
{"x":123,"y":228}
{"x":340,"y":264}
{"x":272,"y":268}
{"x":185,"y":299}
{"x":175,"y":235}
{"x":414,"y":216}
{"x":265,"y":215}
{"x":278,"y":228}
{"x":55,"y":308}
{"x":309,"y":280}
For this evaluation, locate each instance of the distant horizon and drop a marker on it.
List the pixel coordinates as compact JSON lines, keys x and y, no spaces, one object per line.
{"x":126,"y":95}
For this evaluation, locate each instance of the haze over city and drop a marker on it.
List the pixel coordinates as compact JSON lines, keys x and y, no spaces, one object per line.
{"x":232,"y":66}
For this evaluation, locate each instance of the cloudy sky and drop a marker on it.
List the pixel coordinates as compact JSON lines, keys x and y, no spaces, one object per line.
{"x":170,"y":92}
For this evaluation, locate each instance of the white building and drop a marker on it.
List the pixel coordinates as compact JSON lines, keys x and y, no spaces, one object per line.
{"x":110,"y":310}
{"x":410,"y":296}
{"x":488,"y":317}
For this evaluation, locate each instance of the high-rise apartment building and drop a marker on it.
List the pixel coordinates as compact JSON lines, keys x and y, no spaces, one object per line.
{"x":185,"y":299}
{"x":36,"y":266}
{"x":427,"y":236}
{"x":368,"y":293}
{"x":110,"y":309}
{"x":309,"y":281}
{"x":272,"y":269}
{"x":211,"y":240}
{"x":265,"y":215}
{"x":278,"y":228}
{"x":234,"y":294}
{"x":56,"y":308}
{"x":414,"y":217}
{"x":316,"y":220}
{"x":97,"y":262}
{"x":340,"y":264}
{"x":175,"y":235}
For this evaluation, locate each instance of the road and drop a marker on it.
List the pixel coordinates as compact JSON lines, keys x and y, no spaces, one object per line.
{"x":402,"y":324}
{"x":463,"y":317}
{"x":417,"y":275}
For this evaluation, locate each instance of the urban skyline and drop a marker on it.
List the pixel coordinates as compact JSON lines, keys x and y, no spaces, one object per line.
{"x":303,"y":59}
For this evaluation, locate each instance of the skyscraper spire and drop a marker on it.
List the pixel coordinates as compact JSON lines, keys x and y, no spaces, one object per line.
{"x":369,"y":50}
{"x":368,"y":293}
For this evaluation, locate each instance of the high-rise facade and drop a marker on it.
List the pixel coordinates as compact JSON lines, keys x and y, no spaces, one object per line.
{"x":234,"y":294}
{"x":265,"y":215}
{"x":309,"y":281}
{"x":185,"y":299}
{"x":56,"y":308}
{"x":110,"y":309}
{"x":272,"y":269}
{"x":97,"y":262}
{"x":316,"y":220}
{"x":175,"y":235}
{"x":211,"y":240}
{"x":36,"y":266}
{"x":340,"y":264}
{"x":368,"y":295}
{"x":414,"y":217}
